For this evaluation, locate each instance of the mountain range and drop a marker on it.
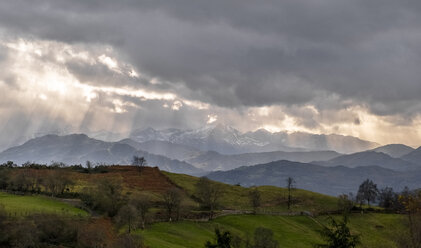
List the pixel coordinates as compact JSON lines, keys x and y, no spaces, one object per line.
{"x":328,"y":180}
{"x":414,"y":156}
{"x":235,"y":157}
{"x":211,"y":160}
{"x":79,"y":148}
{"x":228,"y":140}
{"x":394,"y":150}
{"x":214,"y":161}
{"x":197,"y":150}
{"x":370,"y":158}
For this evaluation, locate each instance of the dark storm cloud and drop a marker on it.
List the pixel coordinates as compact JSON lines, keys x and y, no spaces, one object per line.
{"x":248,"y":53}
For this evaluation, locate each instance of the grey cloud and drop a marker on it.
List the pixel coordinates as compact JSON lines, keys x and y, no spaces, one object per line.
{"x":101,"y":75}
{"x":142,"y":113}
{"x":18,"y":124}
{"x":248,"y":53}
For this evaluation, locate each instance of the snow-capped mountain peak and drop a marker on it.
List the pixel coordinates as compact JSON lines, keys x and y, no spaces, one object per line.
{"x":226,"y":139}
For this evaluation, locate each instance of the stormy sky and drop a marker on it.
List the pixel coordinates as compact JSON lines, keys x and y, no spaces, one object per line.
{"x":350,"y":67}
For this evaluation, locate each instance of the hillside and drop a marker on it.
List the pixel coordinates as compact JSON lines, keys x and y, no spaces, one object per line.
{"x":290,"y":227}
{"x":376,"y":230}
{"x":370,"y":158}
{"x":414,"y":156}
{"x":79,"y":148}
{"x":19,"y":206}
{"x":157,"y":182}
{"x":273,"y":198}
{"x":327,"y":180}
{"x":212,"y":161}
{"x":149,"y":179}
{"x":394,"y":150}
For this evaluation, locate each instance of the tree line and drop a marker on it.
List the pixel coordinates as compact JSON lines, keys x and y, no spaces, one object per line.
{"x":368,"y":193}
{"x":29,"y":180}
{"x":132,"y":211}
{"x":51,"y":230}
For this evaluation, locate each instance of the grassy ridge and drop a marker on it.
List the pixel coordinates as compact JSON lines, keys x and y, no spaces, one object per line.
{"x":23,"y":205}
{"x":273,"y":198}
{"x":376,"y":230}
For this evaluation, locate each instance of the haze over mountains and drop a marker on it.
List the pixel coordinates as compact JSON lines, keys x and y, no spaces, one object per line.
{"x":79,"y":148}
{"x":240,"y":155}
{"x":414,"y":156}
{"x":394,"y":150}
{"x":228,"y":140}
{"x":215,"y":161}
{"x":370,"y":158}
{"x":328,"y":180}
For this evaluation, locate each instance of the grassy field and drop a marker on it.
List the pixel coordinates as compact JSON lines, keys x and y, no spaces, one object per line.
{"x":17,"y":205}
{"x":376,"y":230}
{"x":273,"y":198}
{"x":154,"y":182}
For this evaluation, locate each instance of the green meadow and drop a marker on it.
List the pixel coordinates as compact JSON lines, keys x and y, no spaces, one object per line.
{"x":17,"y":205}
{"x":375,"y":230}
{"x":272,"y":198}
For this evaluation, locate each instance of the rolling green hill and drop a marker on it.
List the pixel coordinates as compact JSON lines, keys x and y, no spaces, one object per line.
{"x":376,"y":230}
{"x":273,"y":198}
{"x":17,"y":205}
{"x":290,"y":228}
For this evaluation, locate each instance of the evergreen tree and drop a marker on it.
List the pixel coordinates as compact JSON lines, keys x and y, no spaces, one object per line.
{"x":338,"y":235}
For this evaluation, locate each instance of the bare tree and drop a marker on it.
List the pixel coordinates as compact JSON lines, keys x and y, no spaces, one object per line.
{"x":129,"y":241}
{"x":94,"y":234}
{"x":208,"y":193}
{"x":106,"y":196}
{"x":22,"y":180}
{"x":254,"y":196}
{"x":172,"y":202}
{"x":140,"y":162}
{"x":388,"y":199}
{"x":345,"y":203}
{"x":50,"y":182}
{"x":89,"y":166}
{"x":64,"y":182}
{"x":128,"y":215}
{"x":4,"y":178}
{"x":290,"y":187}
{"x":57,"y":182}
{"x":143,"y":203}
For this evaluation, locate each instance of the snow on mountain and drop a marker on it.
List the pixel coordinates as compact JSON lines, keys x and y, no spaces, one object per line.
{"x":148,"y":134}
{"x":228,"y":140}
{"x":79,"y":148}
